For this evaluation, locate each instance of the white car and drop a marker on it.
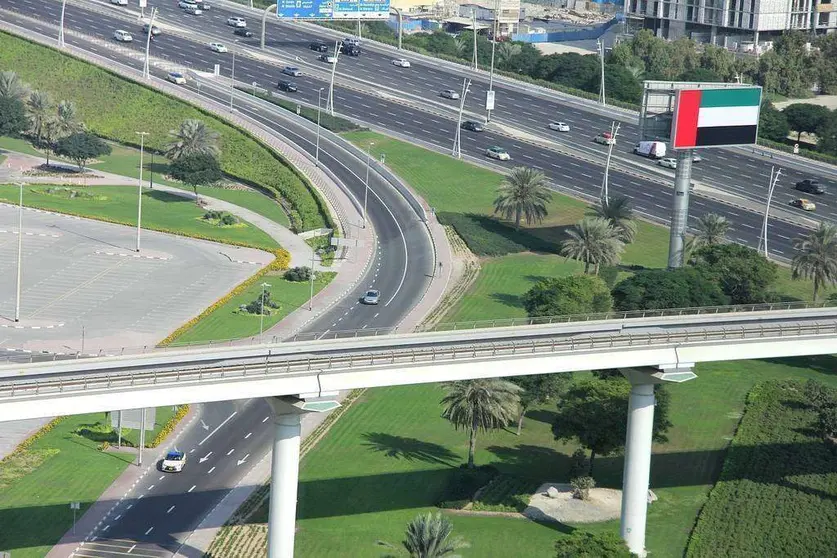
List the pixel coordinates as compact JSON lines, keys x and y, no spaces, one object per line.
{"x":449,"y":94}
{"x":186,"y":3}
{"x":401,"y":62}
{"x":236,"y":21}
{"x":559,"y":126}
{"x":217,"y":47}
{"x":498,"y":153}
{"x":668,"y":162}
{"x":194,"y":9}
{"x":122,"y":36}
{"x":330,"y":58}
{"x":371,"y":297}
{"x":119,"y":2}
{"x":174,"y":462}
{"x":177,"y":78}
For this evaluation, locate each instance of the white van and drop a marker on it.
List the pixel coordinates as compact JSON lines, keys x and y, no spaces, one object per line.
{"x":651,"y":149}
{"x":122,"y":36}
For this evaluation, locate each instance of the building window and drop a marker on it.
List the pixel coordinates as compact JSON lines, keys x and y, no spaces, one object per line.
{"x":823,"y":19}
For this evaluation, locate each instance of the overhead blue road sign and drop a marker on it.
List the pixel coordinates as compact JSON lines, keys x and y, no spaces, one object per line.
{"x":332,"y":9}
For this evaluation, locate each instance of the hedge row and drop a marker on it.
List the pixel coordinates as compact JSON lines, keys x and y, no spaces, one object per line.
{"x":486,"y":236}
{"x":807,"y":153}
{"x":279,"y":263}
{"x":115,"y":108}
{"x":169,"y":427}
{"x":25,"y":444}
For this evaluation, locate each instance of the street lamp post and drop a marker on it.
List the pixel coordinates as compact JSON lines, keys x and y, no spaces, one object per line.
{"x":474,"y":24}
{"x":614,"y":129}
{"x":146,"y":71}
{"x":366,"y":190}
{"x":319,"y":103}
{"x":61,"y":25}
{"x":232,"y":76}
{"x":600,"y":44}
{"x":261,"y":312}
{"x":311,"y":280}
{"x":774,"y":178}
{"x":457,"y":143}
{"x":139,"y":187}
{"x":19,"y":253}
{"x":489,"y":99}
{"x":330,"y":102}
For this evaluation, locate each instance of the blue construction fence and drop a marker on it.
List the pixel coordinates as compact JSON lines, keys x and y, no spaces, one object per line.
{"x":587,"y":33}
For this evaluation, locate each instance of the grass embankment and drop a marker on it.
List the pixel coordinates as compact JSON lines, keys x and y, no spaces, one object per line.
{"x":227,"y":322}
{"x":777,"y":493}
{"x":161,"y":211}
{"x":58,"y":468}
{"x":116,"y":108}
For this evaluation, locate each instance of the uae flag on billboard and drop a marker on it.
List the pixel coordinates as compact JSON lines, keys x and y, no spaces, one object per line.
{"x":714,"y":117}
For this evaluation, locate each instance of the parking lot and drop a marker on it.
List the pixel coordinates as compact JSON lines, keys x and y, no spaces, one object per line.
{"x":83,"y":283}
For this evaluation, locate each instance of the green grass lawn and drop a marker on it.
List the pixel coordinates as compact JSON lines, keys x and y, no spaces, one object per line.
{"x":225,"y":323}
{"x":34,"y":510}
{"x":102,"y":431}
{"x":160,"y":211}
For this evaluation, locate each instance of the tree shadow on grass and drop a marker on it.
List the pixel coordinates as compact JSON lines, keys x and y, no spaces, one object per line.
{"x":487,"y":236}
{"x":409,"y":449}
{"x":541,"y":415}
{"x":168,"y":197}
{"x":514,"y":301}
{"x":824,"y":364}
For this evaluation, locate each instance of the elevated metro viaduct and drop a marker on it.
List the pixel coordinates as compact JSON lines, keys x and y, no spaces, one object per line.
{"x":304,"y":376}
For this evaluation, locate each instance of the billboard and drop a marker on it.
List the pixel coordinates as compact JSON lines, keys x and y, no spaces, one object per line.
{"x":332,"y":9}
{"x":715,"y":117}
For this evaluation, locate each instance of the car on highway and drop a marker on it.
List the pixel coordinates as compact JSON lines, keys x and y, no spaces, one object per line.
{"x":176,"y":77}
{"x":371,"y":297}
{"x":204,"y":6}
{"x":242,"y":32}
{"x":318,"y":46}
{"x":292,"y":71}
{"x":193,"y":9}
{"x":473,"y":126}
{"x":174,"y":462}
{"x":804,"y":204}
{"x":351,"y":41}
{"x":154,"y":30}
{"x":349,"y":50}
{"x":696,"y":158}
{"x":217,"y":47}
{"x":810,"y":186}
{"x":497,"y":152}
{"x":329,"y":58}
{"x":605,"y":138}
{"x":186,"y":3}
{"x":401,"y":62}
{"x":286,"y":85}
{"x":122,"y":36}
{"x":449,"y":94}
{"x":559,"y":126}
{"x":668,"y":162}
{"x":119,"y":2}
{"x":236,"y":21}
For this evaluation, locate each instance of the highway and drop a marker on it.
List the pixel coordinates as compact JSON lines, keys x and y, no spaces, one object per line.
{"x":650,"y":198}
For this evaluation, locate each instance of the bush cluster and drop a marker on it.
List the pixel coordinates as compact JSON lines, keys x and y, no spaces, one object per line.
{"x":169,"y":427}
{"x":298,"y":274}
{"x":582,"y":486}
{"x":25,"y":444}
{"x":223,"y":217}
{"x":486,"y":236}
{"x":506,"y":493}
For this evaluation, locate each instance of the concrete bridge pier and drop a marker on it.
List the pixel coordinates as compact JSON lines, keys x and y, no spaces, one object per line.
{"x":284,"y":469}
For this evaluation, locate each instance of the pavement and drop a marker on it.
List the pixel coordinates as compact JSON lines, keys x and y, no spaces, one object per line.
{"x":20,"y":167}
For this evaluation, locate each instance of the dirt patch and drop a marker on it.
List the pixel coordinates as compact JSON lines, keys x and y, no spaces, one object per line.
{"x":602,"y":505}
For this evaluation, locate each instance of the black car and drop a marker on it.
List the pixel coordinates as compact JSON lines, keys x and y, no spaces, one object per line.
{"x":349,"y":50}
{"x":473,"y":126}
{"x":242,"y":32}
{"x":810,"y":186}
{"x":286,"y":85}
{"x":154,"y":29}
{"x":318,"y":47}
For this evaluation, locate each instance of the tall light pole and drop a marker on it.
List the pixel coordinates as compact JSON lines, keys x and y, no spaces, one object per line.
{"x":614,"y":129}
{"x":489,"y":96}
{"x":330,"y":103}
{"x":261,"y":312}
{"x":139,"y":187}
{"x":457,"y":143}
{"x":232,"y":76}
{"x":601,"y":46}
{"x":774,"y":178}
{"x":19,"y":253}
{"x":146,"y":71}
{"x":61,"y":25}
{"x":366,"y":190}
{"x":319,"y":103}
{"x":311,"y":280}
{"x":474,"y":24}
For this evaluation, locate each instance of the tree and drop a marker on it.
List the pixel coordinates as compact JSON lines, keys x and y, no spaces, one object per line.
{"x":805,"y":117}
{"x":718,"y":60}
{"x":712,"y":229}
{"x":654,"y":289}
{"x":827,"y":135}
{"x":826,"y":64}
{"x":773,"y":124}
{"x":40,"y":110}
{"x":67,"y":122}
{"x":480,"y":405}
{"x":744,"y":275}
{"x":700,"y":74}
{"x":620,"y":83}
{"x":786,"y":68}
{"x":595,"y":412}
{"x":523,"y":193}
{"x":816,"y":257}
{"x":429,"y":536}
{"x":193,"y":137}
{"x":13,"y":119}
{"x":818,"y":395}
{"x":82,"y":147}
{"x":594,"y":242}
{"x":537,"y":390}
{"x":618,"y":212}
{"x":11,"y":87}
{"x":561,"y":296}
{"x":580,"y":544}
{"x":196,"y":169}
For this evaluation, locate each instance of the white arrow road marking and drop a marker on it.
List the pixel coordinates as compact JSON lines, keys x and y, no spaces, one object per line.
{"x":230,"y":452}
{"x":193,"y":487}
{"x":169,"y":510}
{"x":210,"y":470}
{"x":226,"y":420}
{"x":204,"y":458}
{"x":149,"y":530}
{"x":248,"y":435}
{"x":243,"y":459}
{"x":204,"y":425}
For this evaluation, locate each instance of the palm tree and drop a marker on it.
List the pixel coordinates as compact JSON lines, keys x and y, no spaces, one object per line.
{"x":712,"y":230}
{"x":67,"y":122}
{"x":459,"y":47}
{"x":40,"y":109}
{"x":506,"y":51}
{"x":193,"y":136}
{"x":594,"y":242}
{"x":618,"y":212}
{"x":429,"y":536}
{"x":523,"y":193}
{"x":11,"y":87}
{"x":483,"y":404}
{"x":816,"y":257}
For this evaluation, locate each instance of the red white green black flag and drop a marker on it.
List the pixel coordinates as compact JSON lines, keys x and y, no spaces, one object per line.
{"x":715,"y":117}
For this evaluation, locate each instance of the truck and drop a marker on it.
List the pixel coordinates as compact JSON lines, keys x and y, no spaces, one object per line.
{"x":651,"y":149}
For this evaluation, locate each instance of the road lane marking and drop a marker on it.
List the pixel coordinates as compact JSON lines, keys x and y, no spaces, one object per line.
{"x":217,"y":428}
{"x":248,"y":435}
{"x":149,"y":530}
{"x":210,"y":470}
{"x":193,"y":487}
{"x":230,"y":452}
{"x":150,"y":487}
{"x":132,"y":548}
{"x":169,"y":510}
{"x":265,"y":419}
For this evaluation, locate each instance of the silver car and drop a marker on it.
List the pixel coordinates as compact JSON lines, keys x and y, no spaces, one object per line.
{"x":371,"y":297}
{"x":449,"y":94}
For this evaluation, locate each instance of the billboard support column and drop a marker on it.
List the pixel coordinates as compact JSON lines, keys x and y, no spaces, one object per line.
{"x":680,"y":208}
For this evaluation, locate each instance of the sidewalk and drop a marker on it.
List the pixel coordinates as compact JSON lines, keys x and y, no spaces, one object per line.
{"x":16,"y":165}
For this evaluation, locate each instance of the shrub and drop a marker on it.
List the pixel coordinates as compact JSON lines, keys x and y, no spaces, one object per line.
{"x":654,"y":289}
{"x":588,"y":545}
{"x":579,"y":464}
{"x":486,"y":236}
{"x":581,"y":487}
{"x":298,"y":274}
{"x":574,"y":294}
{"x":506,"y":493}
{"x":169,"y":427}
{"x":104,"y":446}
